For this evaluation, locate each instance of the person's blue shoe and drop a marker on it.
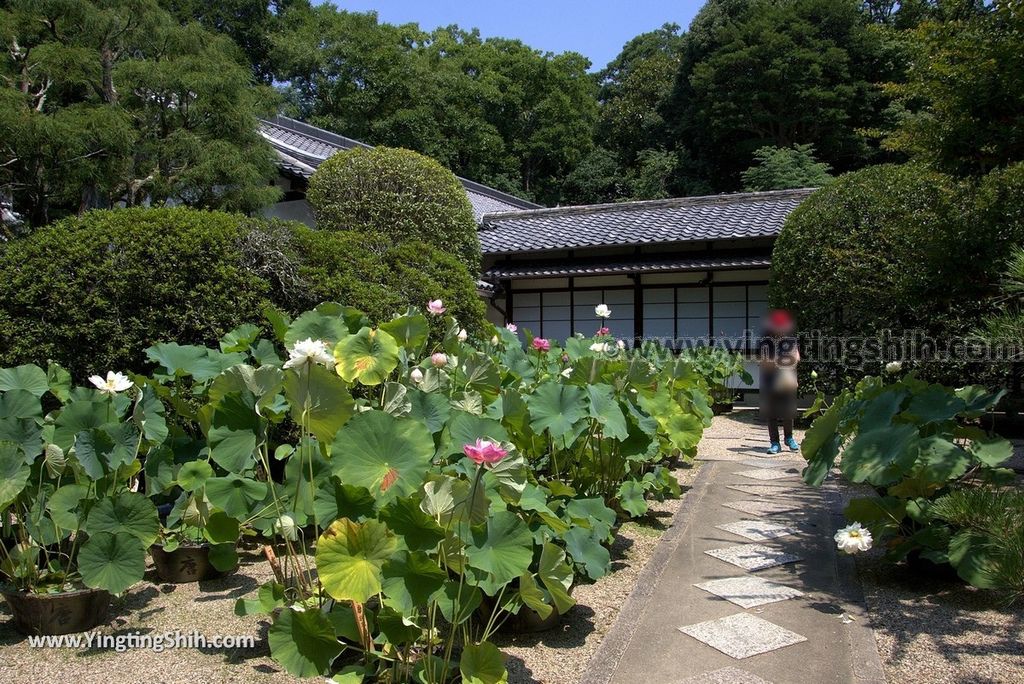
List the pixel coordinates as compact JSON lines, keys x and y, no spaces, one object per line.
{"x":792,"y":444}
{"x":774,"y":448}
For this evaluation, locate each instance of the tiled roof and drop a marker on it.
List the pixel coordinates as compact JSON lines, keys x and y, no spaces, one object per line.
{"x":301,"y":147}
{"x":686,"y":219}
{"x":620,"y":265}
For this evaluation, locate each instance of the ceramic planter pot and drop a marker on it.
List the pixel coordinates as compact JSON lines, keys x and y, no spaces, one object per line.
{"x":45,"y":614}
{"x":184,"y":564}
{"x":720,"y":408}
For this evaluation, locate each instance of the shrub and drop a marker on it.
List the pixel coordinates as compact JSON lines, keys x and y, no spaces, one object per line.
{"x":399,"y":195}
{"x":895,"y":248}
{"x":92,"y":292}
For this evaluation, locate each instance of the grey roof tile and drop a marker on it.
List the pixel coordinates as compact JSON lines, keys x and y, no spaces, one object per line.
{"x":619,"y":265}
{"x":686,"y":219}
{"x":301,"y":148}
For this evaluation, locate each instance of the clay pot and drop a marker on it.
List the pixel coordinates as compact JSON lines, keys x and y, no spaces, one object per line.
{"x":184,"y":564}
{"x":66,"y":613}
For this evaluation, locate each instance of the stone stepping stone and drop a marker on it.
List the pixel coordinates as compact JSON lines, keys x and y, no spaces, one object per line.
{"x":768,"y":474}
{"x":781,"y":463}
{"x":748,"y":591}
{"x":765,"y":489}
{"x":742,"y":635}
{"x":758,"y":530}
{"x":753,"y":557}
{"x":726,"y":675}
{"x":764,"y":508}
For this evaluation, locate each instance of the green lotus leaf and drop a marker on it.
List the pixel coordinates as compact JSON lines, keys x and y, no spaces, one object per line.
{"x":584,"y":545}
{"x":387,"y":455}
{"x":129,"y":513}
{"x":438,"y":498}
{"x":936,"y":404}
{"x":25,"y":433}
{"x":419,"y":531}
{"x":263,"y":383}
{"x":221,"y":528}
{"x":942,"y":460}
{"x":149,"y":416}
{"x":592,"y":513}
{"x":482,"y":664}
{"x":343,"y":619}
{"x":316,"y":325}
{"x":335,"y":500}
{"x":78,"y":416}
{"x":224,"y":557}
{"x":881,"y":457}
{"x":303,"y":642}
{"x":176,"y":360}
{"x":319,"y":400}
{"x":431,"y":408}
{"x":465,"y":428}
{"x":410,"y":579}
{"x":59,"y":381}
{"x":992,"y":451}
{"x":234,"y":432}
{"x":240,"y":339}
{"x":396,"y":627}
{"x":29,"y":378}
{"x":556,"y":409}
{"x":19,"y":404}
{"x":533,"y":597}
{"x":503,"y":547}
{"x":112,"y":562}
{"x":479,"y":374}
{"x":63,"y":505}
{"x":303,"y":473}
{"x":14,"y":473}
{"x":979,"y":400}
{"x":457,"y":602}
{"x":975,"y":559}
{"x":349,"y":558}
{"x":605,"y":409}
{"x":270,"y":595}
{"x":881,"y":409}
{"x":631,"y":498}
{"x":236,"y":496}
{"x":368,"y":356}
{"x":410,"y":331}
{"x":535,"y":499}
{"x":193,"y":475}
{"x":556,"y":576}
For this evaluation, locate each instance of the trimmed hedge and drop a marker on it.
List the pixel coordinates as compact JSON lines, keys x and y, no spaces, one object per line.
{"x":898,"y":248}
{"x":92,"y":292}
{"x":398,"y":194}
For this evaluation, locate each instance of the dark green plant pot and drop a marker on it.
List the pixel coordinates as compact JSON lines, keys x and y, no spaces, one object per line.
{"x":46,"y":614}
{"x":720,"y":408}
{"x":184,"y":564}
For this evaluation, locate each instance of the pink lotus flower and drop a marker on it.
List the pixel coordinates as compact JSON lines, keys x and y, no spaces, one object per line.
{"x":511,"y":327}
{"x":440,"y":359}
{"x":541,"y":345}
{"x":484,"y":452}
{"x":435,"y":307}
{"x":602,"y":331}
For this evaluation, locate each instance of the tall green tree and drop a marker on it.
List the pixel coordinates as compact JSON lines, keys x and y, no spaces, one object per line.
{"x":783,"y":168}
{"x":964,"y":94}
{"x":114,"y":102}
{"x":767,"y":72}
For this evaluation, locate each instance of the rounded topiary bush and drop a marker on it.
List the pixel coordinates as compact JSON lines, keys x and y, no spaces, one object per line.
{"x":890,"y":248}
{"x":398,"y":194}
{"x":92,"y":292}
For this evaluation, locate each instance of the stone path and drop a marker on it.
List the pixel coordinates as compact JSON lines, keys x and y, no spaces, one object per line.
{"x":748,"y":588}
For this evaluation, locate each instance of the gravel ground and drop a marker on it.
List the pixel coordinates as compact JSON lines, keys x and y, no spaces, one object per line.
{"x":560,"y":655}
{"x":937,"y":631}
{"x":205,"y":607}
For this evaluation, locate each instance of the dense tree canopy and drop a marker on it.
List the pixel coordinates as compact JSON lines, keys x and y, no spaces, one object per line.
{"x":116,"y":102}
{"x":782,"y":168}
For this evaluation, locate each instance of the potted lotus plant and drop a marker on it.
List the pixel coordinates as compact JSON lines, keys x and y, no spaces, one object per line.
{"x":67,"y":481}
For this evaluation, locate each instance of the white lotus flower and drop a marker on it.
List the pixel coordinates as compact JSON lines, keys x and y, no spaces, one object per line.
{"x":463,"y":335}
{"x":416,"y":375}
{"x":114,"y":383}
{"x":599,"y":347}
{"x":853,"y":539}
{"x":309,"y":351}
{"x":893,"y":367}
{"x":621,"y":344}
{"x":567,"y":372}
{"x":512,"y":327}
{"x":494,"y":340}
{"x":602,"y":311}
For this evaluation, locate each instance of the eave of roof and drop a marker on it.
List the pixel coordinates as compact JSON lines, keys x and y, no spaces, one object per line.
{"x":621,"y":266}
{"x":685,"y":219}
{"x":301,"y":147}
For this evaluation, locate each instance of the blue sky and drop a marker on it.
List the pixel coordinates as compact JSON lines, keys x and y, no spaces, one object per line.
{"x":596,"y":29}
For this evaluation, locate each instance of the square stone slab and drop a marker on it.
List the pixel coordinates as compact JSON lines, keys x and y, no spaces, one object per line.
{"x":768,"y":474}
{"x":765,"y":489}
{"x":726,"y":675}
{"x":776,"y":463}
{"x":763,"y":508}
{"x":758,"y":530}
{"x":748,"y":591}
{"x":753,"y":557}
{"x":742,"y":635}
